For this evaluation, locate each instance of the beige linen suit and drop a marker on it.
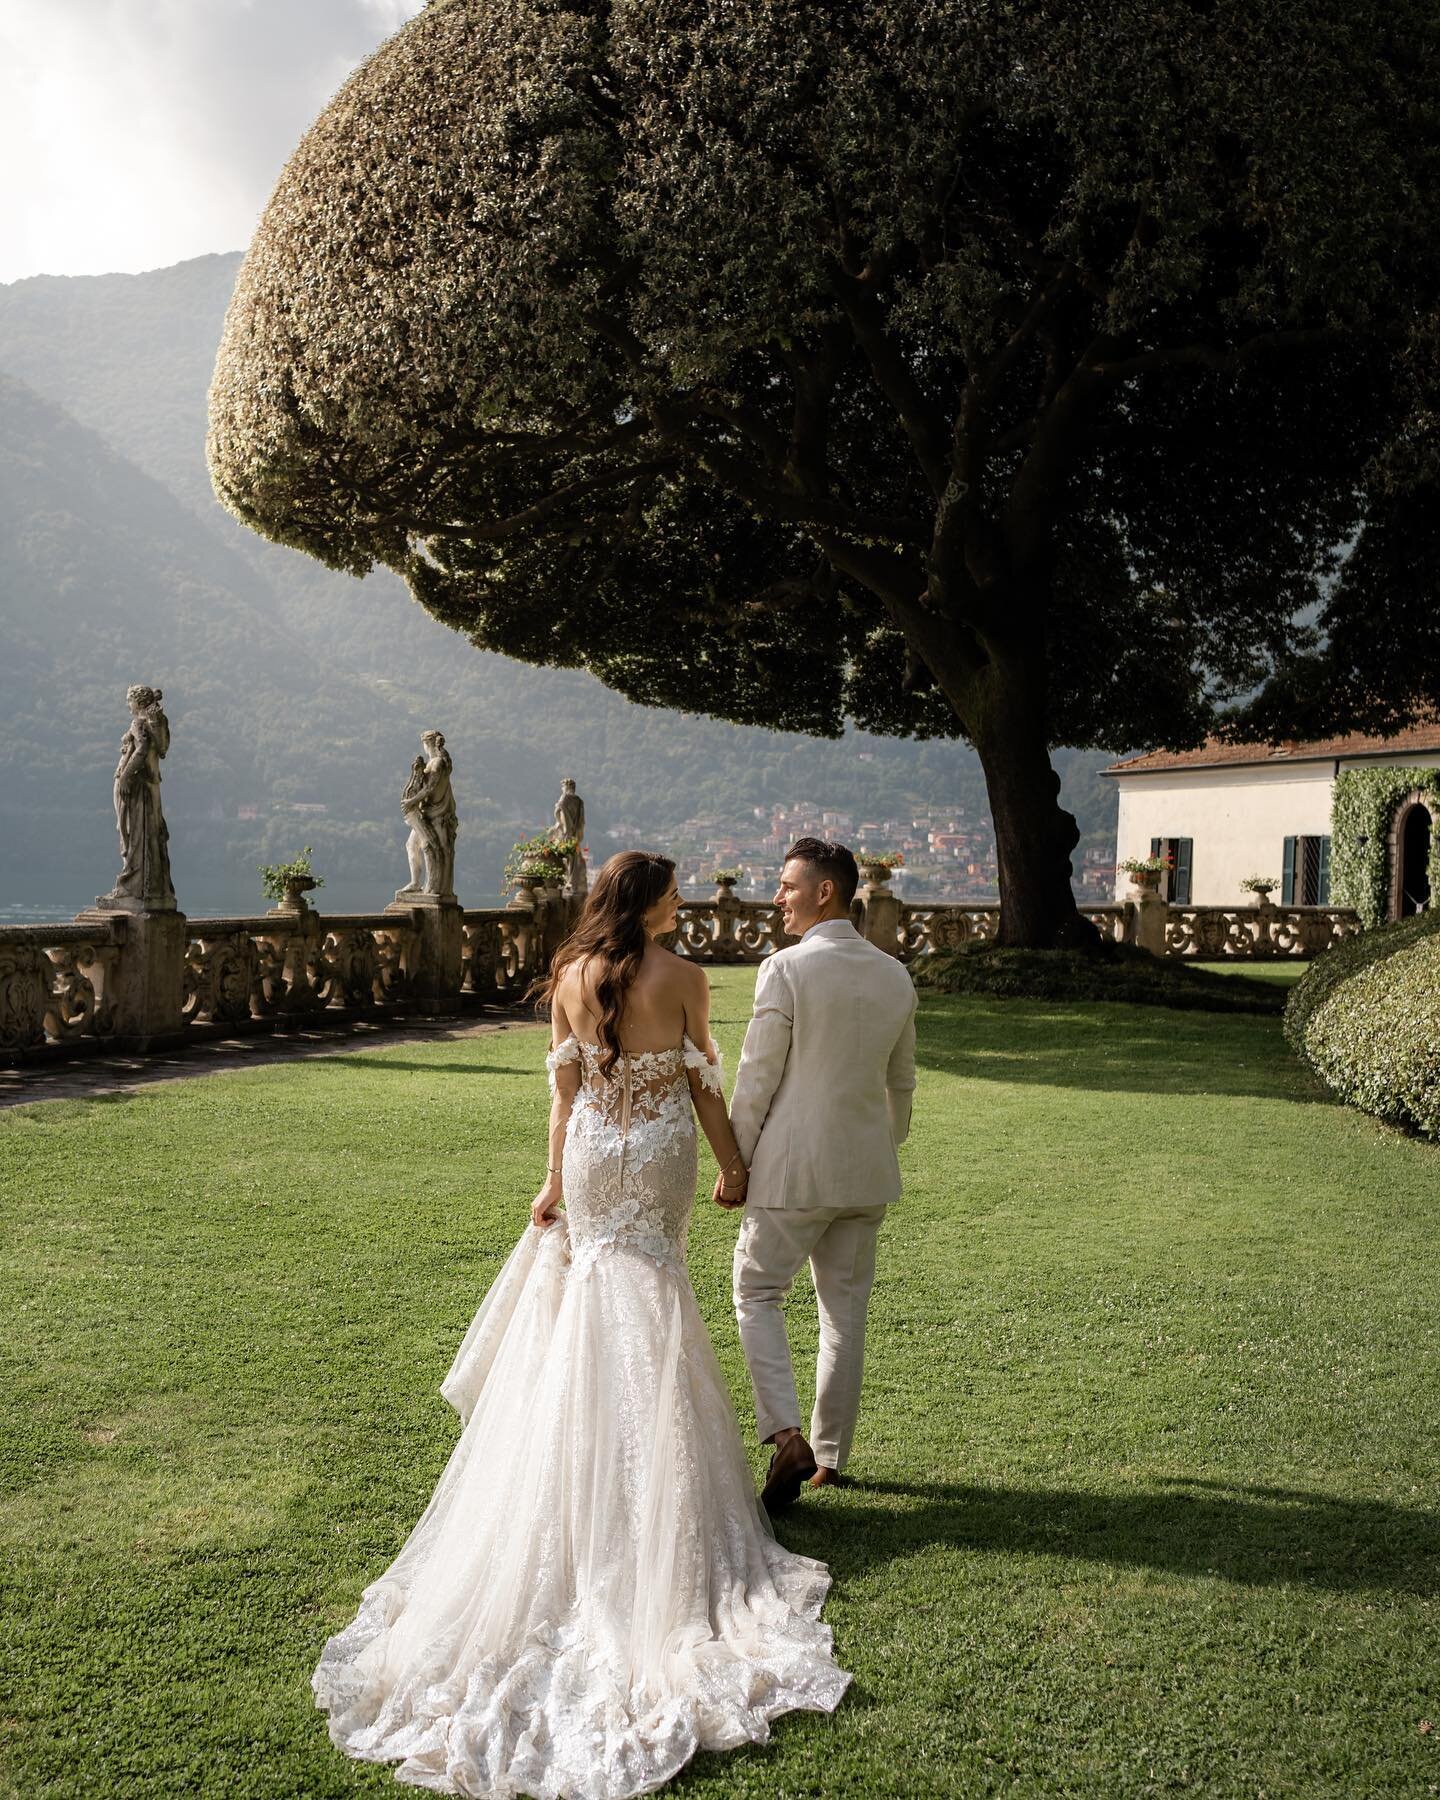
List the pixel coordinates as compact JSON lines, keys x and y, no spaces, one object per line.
{"x":822,"y":1099}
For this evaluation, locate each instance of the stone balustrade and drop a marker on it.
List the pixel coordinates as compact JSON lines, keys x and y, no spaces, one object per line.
{"x":1216,"y":933}
{"x":728,"y":930}
{"x":54,"y":980}
{"x":137,"y":981}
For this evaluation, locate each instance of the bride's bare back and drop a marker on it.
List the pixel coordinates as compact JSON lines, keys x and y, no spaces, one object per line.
{"x":668,"y":998}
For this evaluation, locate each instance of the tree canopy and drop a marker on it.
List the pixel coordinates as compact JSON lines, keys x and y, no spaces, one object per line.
{"x":953,"y":365}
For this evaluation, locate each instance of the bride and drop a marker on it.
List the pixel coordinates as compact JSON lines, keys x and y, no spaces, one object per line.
{"x":593,"y":1592}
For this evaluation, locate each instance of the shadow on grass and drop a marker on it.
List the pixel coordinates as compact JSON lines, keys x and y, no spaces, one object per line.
{"x":1110,"y":1048}
{"x":1255,"y":1536}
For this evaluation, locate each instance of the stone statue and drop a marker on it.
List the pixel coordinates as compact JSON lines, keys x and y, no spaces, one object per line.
{"x":428,"y":806}
{"x":570,"y":823}
{"x":143,"y":883}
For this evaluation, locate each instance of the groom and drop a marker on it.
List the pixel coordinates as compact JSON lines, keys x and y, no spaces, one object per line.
{"x":822,"y":1099}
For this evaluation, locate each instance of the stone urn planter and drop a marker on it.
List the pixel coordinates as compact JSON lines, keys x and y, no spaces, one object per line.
{"x":1145,"y":881}
{"x":877,"y":874}
{"x":527,"y":887}
{"x":725,"y":887}
{"x":295,"y":892}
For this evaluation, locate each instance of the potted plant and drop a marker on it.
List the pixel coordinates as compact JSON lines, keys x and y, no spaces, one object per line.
{"x":1145,"y":871}
{"x":288,"y":883}
{"x":539,"y":861}
{"x":879,"y":865}
{"x":725,"y":880}
{"x":1262,"y":886}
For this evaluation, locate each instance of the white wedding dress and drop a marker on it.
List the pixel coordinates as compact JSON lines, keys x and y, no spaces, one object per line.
{"x":593,"y":1592}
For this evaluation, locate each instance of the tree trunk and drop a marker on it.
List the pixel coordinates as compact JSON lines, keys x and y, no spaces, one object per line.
{"x":1004,"y":714}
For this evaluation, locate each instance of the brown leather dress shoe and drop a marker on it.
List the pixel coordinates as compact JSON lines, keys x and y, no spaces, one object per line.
{"x":791,"y":1465}
{"x":824,"y":1477}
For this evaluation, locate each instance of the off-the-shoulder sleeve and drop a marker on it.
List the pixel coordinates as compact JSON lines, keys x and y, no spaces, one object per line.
{"x":712,"y":1074}
{"x":566,"y":1051}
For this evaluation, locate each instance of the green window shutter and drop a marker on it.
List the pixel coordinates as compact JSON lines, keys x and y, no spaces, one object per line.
{"x":1322,"y":882}
{"x":1180,"y":885}
{"x":1287,"y":874}
{"x":1155,"y":846}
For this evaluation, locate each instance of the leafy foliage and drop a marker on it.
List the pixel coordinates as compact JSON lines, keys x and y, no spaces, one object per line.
{"x":897,"y":362}
{"x":1118,"y":972}
{"x":1329,"y":973}
{"x":547,"y":857}
{"x":1372,"y":1032}
{"x":1362,"y":807}
{"x":278,"y":878}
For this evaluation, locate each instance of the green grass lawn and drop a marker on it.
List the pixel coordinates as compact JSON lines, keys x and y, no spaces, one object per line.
{"x":1146,"y":1471}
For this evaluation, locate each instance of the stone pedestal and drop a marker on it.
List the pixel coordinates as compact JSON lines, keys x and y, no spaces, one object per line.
{"x":142,"y":990}
{"x":434,"y":966}
{"x":879,"y":921}
{"x":1151,"y":916}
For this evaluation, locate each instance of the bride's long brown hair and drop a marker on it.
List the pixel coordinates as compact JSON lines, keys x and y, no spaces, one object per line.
{"x":611,"y":929}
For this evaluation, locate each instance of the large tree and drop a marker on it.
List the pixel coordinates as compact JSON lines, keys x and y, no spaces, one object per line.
{"x":1021,"y":370}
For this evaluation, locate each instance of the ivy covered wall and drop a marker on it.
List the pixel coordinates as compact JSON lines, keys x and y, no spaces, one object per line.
{"x":1361,"y":812}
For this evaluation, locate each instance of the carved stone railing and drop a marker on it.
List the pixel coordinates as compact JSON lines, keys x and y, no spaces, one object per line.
{"x":141,"y":980}
{"x":499,"y":955}
{"x":727,"y":930}
{"x":138,"y":981}
{"x":289,"y":965}
{"x":1214,"y":933}
{"x":53,"y":983}
{"x":926,"y":927}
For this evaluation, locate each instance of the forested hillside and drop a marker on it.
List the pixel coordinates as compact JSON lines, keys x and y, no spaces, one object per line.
{"x":285,"y":682}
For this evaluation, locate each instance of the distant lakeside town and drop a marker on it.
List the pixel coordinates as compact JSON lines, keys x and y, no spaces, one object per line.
{"x":948,"y":854}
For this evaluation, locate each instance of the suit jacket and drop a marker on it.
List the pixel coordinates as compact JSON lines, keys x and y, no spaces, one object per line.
{"x":822,"y":1096}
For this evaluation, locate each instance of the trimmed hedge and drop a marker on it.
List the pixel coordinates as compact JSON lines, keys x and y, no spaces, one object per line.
{"x":1348,"y":958}
{"x":1366,"y":1018}
{"x":1119,"y":972}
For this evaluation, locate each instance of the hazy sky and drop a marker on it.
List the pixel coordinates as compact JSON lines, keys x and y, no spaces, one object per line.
{"x":135,"y":133}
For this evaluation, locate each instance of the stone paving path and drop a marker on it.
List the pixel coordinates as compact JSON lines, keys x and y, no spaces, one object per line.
{"x":92,"y":1077}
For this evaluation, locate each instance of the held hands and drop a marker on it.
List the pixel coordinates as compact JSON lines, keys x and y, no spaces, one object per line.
{"x":730,"y":1186}
{"x":544,"y":1207}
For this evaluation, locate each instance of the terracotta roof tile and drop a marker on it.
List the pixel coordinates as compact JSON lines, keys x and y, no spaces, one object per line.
{"x":1213,"y":754}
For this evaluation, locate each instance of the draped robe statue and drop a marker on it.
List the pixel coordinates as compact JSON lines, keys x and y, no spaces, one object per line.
{"x":144,"y":880}
{"x":428,"y":806}
{"x":570,"y":823}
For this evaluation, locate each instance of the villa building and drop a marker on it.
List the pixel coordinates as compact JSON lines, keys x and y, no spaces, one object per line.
{"x":1226,"y":811}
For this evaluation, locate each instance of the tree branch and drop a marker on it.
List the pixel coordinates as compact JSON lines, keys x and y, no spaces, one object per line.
{"x":540,"y":512}
{"x":779,"y":504}
{"x":919,"y":418}
{"x":1211,"y":356}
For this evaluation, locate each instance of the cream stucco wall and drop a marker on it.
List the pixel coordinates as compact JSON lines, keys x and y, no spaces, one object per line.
{"x":1237,"y":818}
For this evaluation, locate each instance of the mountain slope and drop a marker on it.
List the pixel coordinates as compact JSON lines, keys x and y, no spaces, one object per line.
{"x":286,"y":682}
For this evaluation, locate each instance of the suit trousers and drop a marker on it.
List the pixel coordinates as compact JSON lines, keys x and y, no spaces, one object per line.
{"x":840,"y":1243}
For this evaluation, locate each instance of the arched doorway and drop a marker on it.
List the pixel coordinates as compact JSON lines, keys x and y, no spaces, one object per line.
{"x":1410,"y":841}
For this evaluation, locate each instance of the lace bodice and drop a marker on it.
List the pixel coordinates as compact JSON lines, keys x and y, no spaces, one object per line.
{"x":629,"y":1161}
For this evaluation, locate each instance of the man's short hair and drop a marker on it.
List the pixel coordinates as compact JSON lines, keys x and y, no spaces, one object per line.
{"x":831,"y":862}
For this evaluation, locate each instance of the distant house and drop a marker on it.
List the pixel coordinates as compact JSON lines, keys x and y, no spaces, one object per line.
{"x":1226,"y":811}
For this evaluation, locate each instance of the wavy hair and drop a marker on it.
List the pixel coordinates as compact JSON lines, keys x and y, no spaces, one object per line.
{"x":611,"y":929}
